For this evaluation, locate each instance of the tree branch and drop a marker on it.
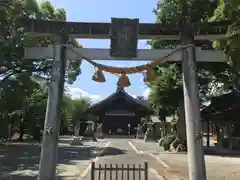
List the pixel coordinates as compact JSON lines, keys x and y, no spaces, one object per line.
{"x":7,"y":76}
{"x":18,"y":70}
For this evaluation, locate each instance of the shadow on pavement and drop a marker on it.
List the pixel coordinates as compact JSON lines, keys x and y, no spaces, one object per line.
{"x":109,"y":151}
{"x":21,"y":160}
{"x":119,"y":136}
{"x":213,"y":152}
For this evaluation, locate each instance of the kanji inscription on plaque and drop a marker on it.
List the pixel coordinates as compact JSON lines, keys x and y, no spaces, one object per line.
{"x":124,"y":37}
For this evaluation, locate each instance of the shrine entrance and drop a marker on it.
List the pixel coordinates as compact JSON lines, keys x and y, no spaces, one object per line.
{"x":120,"y":113}
{"x":118,"y":125}
{"x":124,"y":35}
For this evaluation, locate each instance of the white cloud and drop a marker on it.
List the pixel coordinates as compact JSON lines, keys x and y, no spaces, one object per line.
{"x":78,"y":93}
{"x":134,"y":96}
{"x":146,"y":93}
{"x":142,"y":44}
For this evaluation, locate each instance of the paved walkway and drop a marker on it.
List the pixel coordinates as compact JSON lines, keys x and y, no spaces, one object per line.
{"x":147,"y":147}
{"x":176,"y":164}
{"x":217,"y":167}
{"x":19,"y":160}
{"x":121,"y":151}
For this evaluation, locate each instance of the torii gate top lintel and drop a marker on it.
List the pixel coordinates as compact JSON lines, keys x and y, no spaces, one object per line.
{"x":100,"y":30}
{"x":124,"y":34}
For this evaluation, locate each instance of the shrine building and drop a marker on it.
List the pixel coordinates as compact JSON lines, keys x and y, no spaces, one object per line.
{"x":120,"y":112}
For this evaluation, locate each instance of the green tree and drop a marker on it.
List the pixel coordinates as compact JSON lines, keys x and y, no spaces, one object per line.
{"x":173,"y":12}
{"x":16,"y":83}
{"x":166,"y":92}
{"x":79,"y":107}
{"x":34,"y":113}
{"x":169,"y":78}
{"x":229,"y":10}
{"x":168,"y":82}
{"x":14,"y":39}
{"x":66,"y":113}
{"x":16,"y":90}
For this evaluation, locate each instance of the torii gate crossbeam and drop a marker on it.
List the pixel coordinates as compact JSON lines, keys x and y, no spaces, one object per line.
{"x":143,"y":54}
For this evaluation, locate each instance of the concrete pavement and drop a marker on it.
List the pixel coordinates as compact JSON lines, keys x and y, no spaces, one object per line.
{"x":120,"y":151}
{"x":20,"y":160}
{"x":218,"y":166}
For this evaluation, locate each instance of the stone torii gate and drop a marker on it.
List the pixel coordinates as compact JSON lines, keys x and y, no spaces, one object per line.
{"x":124,"y":34}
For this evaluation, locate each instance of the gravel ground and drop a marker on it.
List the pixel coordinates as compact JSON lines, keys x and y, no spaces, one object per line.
{"x":19,"y":161}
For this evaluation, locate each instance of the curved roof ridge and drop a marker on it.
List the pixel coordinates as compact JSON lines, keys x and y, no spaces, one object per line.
{"x":124,"y":93}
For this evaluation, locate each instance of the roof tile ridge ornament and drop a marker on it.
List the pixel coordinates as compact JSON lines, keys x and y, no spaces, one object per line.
{"x":119,"y":89}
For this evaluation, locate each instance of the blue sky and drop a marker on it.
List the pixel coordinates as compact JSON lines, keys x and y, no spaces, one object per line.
{"x":102,"y":11}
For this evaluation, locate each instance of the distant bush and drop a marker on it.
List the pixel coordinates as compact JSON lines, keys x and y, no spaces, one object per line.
{"x":166,"y":141}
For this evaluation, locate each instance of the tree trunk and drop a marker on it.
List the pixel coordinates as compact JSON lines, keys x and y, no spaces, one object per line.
{"x":162,"y":117}
{"x":10,"y":129}
{"x":180,"y":143}
{"x":21,"y":130}
{"x":37,"y":133}
{"x":4,"y":127}
{"x":181,"y":124}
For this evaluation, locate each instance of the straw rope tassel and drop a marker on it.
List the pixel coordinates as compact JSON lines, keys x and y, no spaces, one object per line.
{"x":123,"y":81}
{"x":98,"y":76}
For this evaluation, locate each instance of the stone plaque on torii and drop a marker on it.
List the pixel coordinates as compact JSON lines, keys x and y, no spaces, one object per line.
{"x":187,"y":35}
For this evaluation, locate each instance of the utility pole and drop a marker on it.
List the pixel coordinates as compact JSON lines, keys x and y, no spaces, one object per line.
{"x":196,"y":162}
{"x":49,"y":153}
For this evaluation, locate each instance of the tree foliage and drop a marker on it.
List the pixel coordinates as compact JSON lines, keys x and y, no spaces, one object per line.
{"x":212,"y":77}
{"x":174,"y":12}
{"x":168,"y":82}
{"x":230,"y":10}
{"x":14,"y":39}
{"x":23,"y":97}
{"x":79,"y":106}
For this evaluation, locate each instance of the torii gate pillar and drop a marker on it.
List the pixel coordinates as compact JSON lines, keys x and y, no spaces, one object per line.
{"x":49,"y":152}
{"x":196,"y":162}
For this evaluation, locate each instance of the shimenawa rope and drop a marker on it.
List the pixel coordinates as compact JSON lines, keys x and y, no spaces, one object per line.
{"x":129,"y":70}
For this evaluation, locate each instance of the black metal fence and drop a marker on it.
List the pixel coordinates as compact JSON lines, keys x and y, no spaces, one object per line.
{"x":119,"y":172}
